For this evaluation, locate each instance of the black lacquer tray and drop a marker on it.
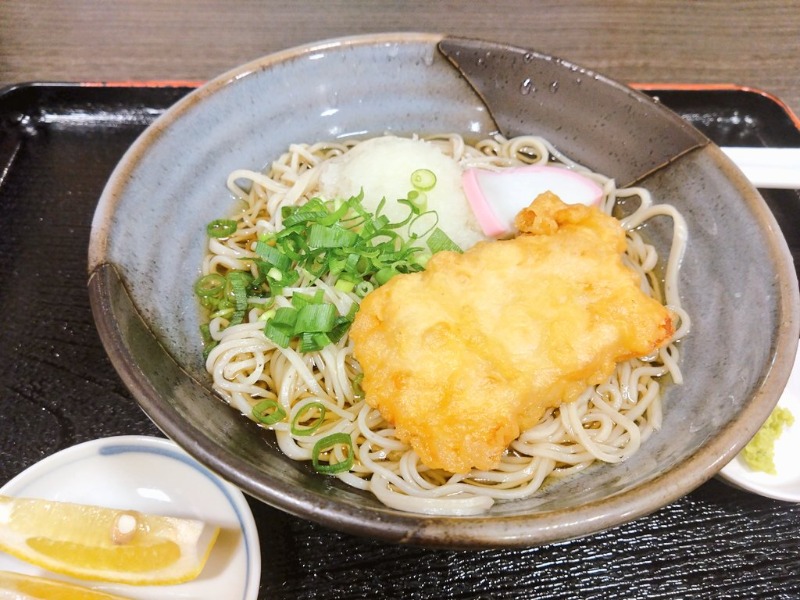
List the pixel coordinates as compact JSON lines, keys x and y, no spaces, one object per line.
{"x":58,"y":145}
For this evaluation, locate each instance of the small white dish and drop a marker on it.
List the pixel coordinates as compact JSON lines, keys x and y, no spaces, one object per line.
{"x":152,"y":475}
{"x":785,"y":485}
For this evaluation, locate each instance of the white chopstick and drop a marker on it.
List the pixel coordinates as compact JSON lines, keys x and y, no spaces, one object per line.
{"x":768,"y":167}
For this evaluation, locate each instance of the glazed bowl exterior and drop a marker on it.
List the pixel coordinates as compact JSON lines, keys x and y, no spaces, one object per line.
{"x":737,"y":280}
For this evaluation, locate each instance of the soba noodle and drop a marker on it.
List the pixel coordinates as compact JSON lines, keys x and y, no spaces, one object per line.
{"x":608,"y":423}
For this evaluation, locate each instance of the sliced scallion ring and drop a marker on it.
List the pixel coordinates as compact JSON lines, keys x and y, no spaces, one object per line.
{"x":418,"y":201}
{"x":209,"y":285}
{"x":328,"y":443}
{"x":363,"y":288}
{"x":268,"y":412}
{"x":221,"y":228}
{"x":423,"y":179}
{"x":308,"y":430}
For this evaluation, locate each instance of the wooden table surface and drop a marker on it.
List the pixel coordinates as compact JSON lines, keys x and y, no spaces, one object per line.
{"x":755,"y":44}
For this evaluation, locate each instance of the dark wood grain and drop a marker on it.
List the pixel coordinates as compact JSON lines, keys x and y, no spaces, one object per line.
{"x":755,"y":44}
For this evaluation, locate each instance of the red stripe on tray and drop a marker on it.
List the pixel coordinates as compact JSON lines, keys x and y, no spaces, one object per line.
{"x":704,"y":87}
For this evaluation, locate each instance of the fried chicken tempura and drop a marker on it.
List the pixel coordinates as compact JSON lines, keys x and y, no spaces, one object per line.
{"x":464,"y":356}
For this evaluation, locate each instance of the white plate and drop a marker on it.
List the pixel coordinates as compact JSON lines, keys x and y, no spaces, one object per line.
{"x":785,"y":485}
{"x":151,"y":475}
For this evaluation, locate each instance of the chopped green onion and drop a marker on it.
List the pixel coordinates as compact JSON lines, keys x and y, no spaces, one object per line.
{"x":385,"y":274}
{"x":355,"y":263}
{"x":423,"y":179}
{"x":221,"y":228}
{"x":237,"y":281}
{"x":422,"y":258}
{"x":333,"y":236}
{"x":358,"y":391}
{"x":315,"y":318}
{"x":418,"y":201}
{"x":209,"y":343}
{"x":336,"y":216}
{"x":439,"y":241}
{"x":423,"y":224}
{"x":268,"y":412}
{"x":312,"y":341}
{"x":277,"y":279}
{"x":238,"y":284}
{"x":316,"y":323}
{"x":342,"y":325}
{"x":278,"y":335}
{"x":280,"y":328}
{"x":328,"y":443}
{"x":273,"y":256}
{"x":267,"y":315}
{"x":300,"y":416}
{"x":343,"y":285}
{"x":209,"y":285}
{"x":224,"y":313}
{"x":363,"y":288}
{"x":299,"y":300}
{"x":355,"y":249}
{"x":285,"y":315}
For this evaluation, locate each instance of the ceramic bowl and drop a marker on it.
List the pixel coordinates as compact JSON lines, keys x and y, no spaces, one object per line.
{"x":737,"y":278}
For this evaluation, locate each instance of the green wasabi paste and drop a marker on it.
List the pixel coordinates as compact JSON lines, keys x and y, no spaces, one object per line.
{"x":759,"y":453}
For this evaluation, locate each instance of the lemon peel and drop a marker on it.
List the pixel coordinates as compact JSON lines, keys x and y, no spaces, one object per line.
{"x":105,"y":544}
{"x":30,"y":587}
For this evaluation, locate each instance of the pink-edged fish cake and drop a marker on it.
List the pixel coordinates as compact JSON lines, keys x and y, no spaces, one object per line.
{"x":496,"y":197}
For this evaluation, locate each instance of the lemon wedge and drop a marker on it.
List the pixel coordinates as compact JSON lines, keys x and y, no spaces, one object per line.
{"x":106,"y":544}
{"x":28,"y":587}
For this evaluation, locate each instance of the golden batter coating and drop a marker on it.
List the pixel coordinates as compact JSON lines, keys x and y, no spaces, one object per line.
{"x":464,"y":356}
